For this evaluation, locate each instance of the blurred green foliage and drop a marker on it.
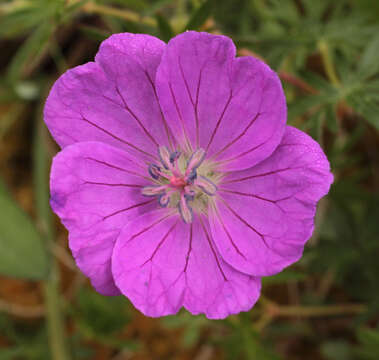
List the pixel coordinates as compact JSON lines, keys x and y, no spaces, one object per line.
{"x":22,"y":252}
{"x":324,"y":307}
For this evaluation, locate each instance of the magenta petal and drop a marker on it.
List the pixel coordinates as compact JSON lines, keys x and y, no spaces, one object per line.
{"x":265,"y":215}
{"x":112,"y":100}
{"x":95,"y":188}
{"x":233,"y":108}
{"x":130,"y":62}
{"x":162,"y":264}
{"x":214,"y":287}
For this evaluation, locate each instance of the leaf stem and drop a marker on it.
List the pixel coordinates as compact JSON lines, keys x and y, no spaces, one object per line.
{"x":297,"y":82}
{"x":315,"y":311}
{"x":55,"y":324}
{"x":328,"y":63}
{"x":271,"y":310}
{"x":54,"y":316}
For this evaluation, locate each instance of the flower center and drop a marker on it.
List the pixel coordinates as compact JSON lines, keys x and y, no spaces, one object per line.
{"x":180,"y":182}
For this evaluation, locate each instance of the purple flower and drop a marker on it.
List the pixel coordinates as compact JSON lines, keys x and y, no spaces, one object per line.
{"x":179,"y":181}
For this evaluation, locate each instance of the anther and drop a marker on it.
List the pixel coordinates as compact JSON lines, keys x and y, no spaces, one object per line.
{"x":195,"y":160}
{"x":185,"y":210}
{"x":175,"y":181}
{"x":174,"y":156}
{"x":189,"y":193}
{"x":154,"y":171}
{"x":164,"y":156}
{"x":154,"y":190}
{"x":192,"y":176}
{"x":164,"y":199}
{"x":206,"y":185}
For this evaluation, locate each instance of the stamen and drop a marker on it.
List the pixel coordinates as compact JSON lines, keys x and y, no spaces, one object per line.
{"x":154,"y":171}
{"x":178,"y":186}
{"x":164,"y":155}
{"x":185,"y":210}
{"x":164,"y":199}
{"x":169,"y":160}
{"x":206,"y":185}
{"x":174,"y":162}
{"x":154,"y":190}
{"x":195,"y":160}
{"x":192,"y":176}
{"x":174,"y":156}
{"x":189,"y":193}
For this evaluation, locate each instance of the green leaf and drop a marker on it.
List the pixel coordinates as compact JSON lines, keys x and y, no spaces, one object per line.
{"x":22,"y":252}
{"x":369,"y":64}
{"x":314,"y":125}
{"x":369,"y":344}
{"x":366,"y":103}
{"x":30,"y":51}
{"x":331,"y":118}
{"x":337,"y":350}
{"x":24,"y":16}
{"x":200,"y":15}
{"x":245,"y":341}
{"x":157,"y":5}
{"x":94,"y":33}
{"x":165,"y":30}
{"x":101,"y":318}
{"x":71,"y":10}
{"x":304,"y":104}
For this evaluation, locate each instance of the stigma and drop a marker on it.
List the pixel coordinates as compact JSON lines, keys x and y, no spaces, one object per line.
{"x":178,"y":182}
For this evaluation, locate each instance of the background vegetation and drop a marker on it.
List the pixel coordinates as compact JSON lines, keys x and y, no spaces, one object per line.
{"x":324,"y":307}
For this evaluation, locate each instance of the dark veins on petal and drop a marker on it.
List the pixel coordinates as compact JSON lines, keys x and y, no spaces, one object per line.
{"x":262,"y":175}
{"x":220,"y":119}
{"x":136,"y":117}
{"x":227,"y":146}
{"x":230,"y":237}
{"x":256,"y":196}
{"x":161,"y":242}
{"x":147,"y":228}
{"x":127,"y":209}
{"x":144,"y":70}
{"x":180,"y":115}
{"x":247,"y":151}
{"x":189,"y":248}
{"x":108,"y":184}
{"x":194,"y":103}
{"x":246,"y":223}
{"x":213,"y":250}
{"x":116,"y":167}
{"x":116,"y":137}
{"x":170,"y":137}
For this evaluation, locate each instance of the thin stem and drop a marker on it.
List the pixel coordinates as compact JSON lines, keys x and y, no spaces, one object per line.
{"x":263,"y":321}
{"x":275,"y":309}
{"x":53,"y":304}
{"x":55,"y":324}
{"x":271,"y":310}
{"x":328,"y":63}
{"x":320,"y":311}
{"x":299,"y":83}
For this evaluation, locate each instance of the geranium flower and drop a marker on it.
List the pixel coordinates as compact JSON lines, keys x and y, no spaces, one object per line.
{"x":179,"y":181}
